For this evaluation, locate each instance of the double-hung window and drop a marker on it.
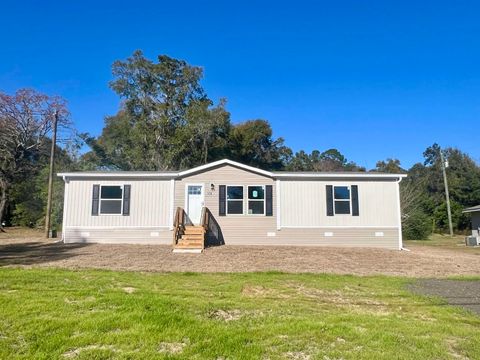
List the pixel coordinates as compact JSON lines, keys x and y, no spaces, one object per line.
{"x":342,"y":199}
{"x":111,"y":199}
{"x":235,"y":200}
{"x":256,"y":200}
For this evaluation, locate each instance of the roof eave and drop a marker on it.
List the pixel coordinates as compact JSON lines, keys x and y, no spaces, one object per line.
{"x":341,"y":175}
{"x":117,"y":175}
{"x":471,"y":210}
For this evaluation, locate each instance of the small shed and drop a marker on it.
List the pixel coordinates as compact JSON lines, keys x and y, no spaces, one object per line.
{"x":474,"y":212}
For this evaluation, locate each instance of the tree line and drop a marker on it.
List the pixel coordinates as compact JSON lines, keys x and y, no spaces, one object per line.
{"x":166,"y":121}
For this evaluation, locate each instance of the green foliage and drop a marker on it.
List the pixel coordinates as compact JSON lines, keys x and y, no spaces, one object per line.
{"x":162,"y":102}
{"x":460,"y":221}
{"x":417,"y":226}
{"x":390,"y":166}
{"x":329,"y":160}
{"x":251,"y":142}
{"x":28,"y":195}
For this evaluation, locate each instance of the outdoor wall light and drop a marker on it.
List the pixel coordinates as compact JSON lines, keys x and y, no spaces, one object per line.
{"x":212,"y":186}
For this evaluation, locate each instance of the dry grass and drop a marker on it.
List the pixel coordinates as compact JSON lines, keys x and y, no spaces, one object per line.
{"x":439,"y":257}
{"x":443,"y":241}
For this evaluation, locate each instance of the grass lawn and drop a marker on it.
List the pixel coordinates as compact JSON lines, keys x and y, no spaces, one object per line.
{"x":48,"y":313}
{"x":457,"y":242}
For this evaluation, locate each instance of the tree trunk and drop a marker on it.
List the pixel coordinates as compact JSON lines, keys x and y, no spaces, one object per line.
{"x":3,"y":202}
{"x":205,"y":151}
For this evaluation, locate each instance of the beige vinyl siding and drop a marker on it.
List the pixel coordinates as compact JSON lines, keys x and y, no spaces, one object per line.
{"x":133,"y":235}
{"x":340,"y":237}
{"x":303,"y":204}
{"x":236,"y":229}
{"x":149,"y":212}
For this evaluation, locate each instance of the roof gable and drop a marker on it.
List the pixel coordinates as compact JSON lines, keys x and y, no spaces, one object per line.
{"x":215,"y":164}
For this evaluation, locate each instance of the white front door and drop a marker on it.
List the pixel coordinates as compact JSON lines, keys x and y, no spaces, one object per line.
{"x":194,"y":202}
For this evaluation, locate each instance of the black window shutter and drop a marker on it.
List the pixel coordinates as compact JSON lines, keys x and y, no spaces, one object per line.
{"x":126,"y":200}
{"x":222,"y":199}
{"x":329,"y":200}
{"x":95,"y":199}
{"x":269,"y":200}
{"x":355,"y":209}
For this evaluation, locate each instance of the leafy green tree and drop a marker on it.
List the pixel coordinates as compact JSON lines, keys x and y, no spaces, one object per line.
{"x":26,"y":120}
{"x":416,"y":226}
{"x":157,"y":97}
{"x":329,"y":160}
{"x":426,"y":182}
{"x":301,"y":161}
{"x":391,"y":166}
{"x":252,"y":143}
{"x":459,"y":220}
{"x":166,"y":122}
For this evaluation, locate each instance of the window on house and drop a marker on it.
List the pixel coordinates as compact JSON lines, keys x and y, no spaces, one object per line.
{"x":111,"y":198}
{"x":235,"y":200}
{"x":256,"y":200}
{"x":341,"y":196}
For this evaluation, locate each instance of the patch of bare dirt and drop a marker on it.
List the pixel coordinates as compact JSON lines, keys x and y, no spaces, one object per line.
{"x":421,"y":261}
{"x":77,"y":351}
{"x":297,"y":355}
{"x":255,"y":291}
{"x":341,"y":298}
{"x":171,"y":347}
{"x":452,"y":346}
{"x":226,"y":315}
{"x":129,"y":290}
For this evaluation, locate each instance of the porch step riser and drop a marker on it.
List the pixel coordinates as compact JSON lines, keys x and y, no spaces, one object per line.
{"x":192,"y":240}
{"x":186,"y":242}
{"x":195,"y":238}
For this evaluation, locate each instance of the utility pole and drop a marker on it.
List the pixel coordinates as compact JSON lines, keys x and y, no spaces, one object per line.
{"x":50,"y":176}
{"x":449,"y":211}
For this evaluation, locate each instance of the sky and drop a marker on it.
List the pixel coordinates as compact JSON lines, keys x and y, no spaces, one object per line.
{"x":374,"y":79}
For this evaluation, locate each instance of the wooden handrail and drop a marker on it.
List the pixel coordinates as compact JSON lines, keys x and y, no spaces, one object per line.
{"x":178,"y":225}
{"x":205,"y":222}
{"x":181,"y":220}
{"x":204,"y":218}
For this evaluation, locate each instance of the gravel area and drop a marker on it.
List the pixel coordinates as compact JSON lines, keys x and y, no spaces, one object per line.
{"x":463,"y":293}
{"x":421,"y":261}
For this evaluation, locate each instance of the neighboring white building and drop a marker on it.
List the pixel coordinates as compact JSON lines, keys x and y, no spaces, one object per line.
{"x":246,"y":206}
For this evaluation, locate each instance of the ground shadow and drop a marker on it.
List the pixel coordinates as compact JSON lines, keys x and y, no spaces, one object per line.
{"x":33,"y":253}
{"x":463,"y":293}
{"x":214,"y":235}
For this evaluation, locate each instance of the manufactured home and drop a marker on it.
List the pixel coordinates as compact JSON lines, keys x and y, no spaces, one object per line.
{"x":226,"y":202}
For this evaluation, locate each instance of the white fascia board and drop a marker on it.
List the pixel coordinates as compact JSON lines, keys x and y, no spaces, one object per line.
{"x":225,"y":162}
{"x":122,"y":175}
{"x":340,"y":175}
{"x":470,"y":211}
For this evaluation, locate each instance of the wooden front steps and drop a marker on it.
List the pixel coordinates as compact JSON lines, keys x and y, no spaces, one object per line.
{"x":192,"y":240}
